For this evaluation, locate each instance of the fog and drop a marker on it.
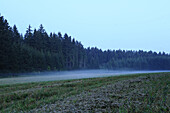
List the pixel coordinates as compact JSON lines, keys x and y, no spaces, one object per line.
{"x":67,"y":75}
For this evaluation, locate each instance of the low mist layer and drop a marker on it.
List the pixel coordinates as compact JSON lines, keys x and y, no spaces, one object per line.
{"x":67,"y":75}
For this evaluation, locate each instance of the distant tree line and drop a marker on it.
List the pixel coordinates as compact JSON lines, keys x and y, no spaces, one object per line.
{"x":38,"y":51}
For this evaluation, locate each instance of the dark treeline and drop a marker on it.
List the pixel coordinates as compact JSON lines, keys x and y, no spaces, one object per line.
{"x":38,"y":51}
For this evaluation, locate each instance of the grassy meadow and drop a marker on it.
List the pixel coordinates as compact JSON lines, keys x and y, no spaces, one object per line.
{"x":30,"y":96}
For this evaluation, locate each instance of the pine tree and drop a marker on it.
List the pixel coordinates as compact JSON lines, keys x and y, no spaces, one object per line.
{"x":16,"y":35}
{"x":28,"y":36}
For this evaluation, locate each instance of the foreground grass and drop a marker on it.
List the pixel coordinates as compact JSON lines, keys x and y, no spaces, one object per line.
{"x":27,"y":96}
{"x":153,"y":96}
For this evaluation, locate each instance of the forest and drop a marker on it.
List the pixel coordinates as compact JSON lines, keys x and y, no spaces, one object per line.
{"x":37,"y":50}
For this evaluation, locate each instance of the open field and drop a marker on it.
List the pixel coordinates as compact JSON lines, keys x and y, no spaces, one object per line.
{"x":128,"y":93}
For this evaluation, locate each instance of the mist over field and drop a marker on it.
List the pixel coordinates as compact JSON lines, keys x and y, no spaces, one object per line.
{"x":89,"y":56}
{"x":67,"y":75}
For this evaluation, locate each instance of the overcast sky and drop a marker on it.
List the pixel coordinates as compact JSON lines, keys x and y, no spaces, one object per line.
{"x":106,"y":24}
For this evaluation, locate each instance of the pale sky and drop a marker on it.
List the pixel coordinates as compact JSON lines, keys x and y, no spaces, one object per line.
{"x":106,"y":24}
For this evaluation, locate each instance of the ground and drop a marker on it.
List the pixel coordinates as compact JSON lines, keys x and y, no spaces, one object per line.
{"x":130,"y":93}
